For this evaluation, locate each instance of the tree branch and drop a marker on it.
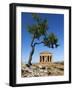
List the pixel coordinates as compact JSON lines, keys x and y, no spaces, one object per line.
{"x":38,"y":43}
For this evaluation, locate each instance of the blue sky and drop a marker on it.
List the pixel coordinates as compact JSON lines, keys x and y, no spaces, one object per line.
{"x":55,"y":24}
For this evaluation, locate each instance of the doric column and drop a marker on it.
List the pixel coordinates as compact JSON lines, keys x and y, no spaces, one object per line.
{"x":50,"y":58}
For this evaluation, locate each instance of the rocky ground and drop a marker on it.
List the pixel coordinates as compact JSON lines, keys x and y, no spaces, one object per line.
{"x":37,"y":70}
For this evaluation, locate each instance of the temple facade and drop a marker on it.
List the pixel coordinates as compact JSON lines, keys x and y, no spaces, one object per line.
{"x":45,"y":57}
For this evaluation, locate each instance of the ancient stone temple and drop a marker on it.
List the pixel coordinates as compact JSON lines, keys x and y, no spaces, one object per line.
{"x":45,"y":57}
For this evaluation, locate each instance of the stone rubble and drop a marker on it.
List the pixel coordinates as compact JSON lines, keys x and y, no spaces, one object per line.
{"x":40,"y":70}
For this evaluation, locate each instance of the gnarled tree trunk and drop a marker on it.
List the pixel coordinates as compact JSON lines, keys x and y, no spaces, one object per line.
{"x":31,"y":54}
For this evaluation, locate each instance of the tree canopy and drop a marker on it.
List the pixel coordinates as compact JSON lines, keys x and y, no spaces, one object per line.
{"x":41,"y":29}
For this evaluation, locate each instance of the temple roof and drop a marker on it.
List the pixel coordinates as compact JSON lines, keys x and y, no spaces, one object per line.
{"x":45,"y":52}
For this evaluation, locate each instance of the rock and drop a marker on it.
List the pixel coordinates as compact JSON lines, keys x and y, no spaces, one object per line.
{"x":38,"y":70}
{"x":28,"y":69}
{"x":40,"y":66}
{"x":41,"y":70}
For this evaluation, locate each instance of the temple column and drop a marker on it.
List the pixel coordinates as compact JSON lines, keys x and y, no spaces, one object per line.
{"x":50,"y":58}
{"x":42,"y":58}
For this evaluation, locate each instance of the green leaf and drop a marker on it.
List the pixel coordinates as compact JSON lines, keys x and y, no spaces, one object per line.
{"x":36,"y":17}
{"x":51,"y":41}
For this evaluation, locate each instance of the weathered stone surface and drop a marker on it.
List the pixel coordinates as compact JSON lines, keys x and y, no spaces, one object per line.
{"x":42,"y":70}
